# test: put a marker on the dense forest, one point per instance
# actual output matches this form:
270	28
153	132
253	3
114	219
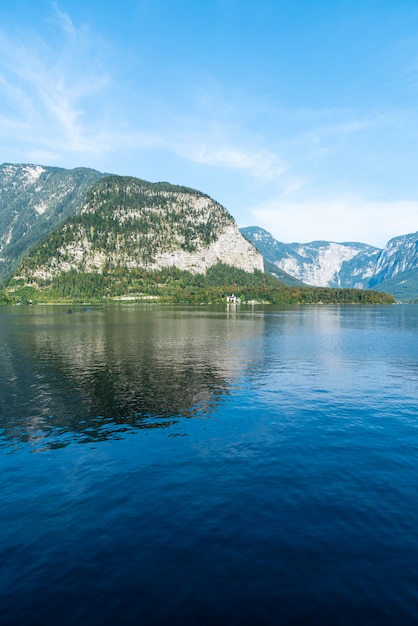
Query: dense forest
171	285
129	221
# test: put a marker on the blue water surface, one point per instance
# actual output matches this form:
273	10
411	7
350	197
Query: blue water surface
162	465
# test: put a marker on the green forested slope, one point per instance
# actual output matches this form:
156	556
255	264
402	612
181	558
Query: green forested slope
34	200
128	240
127	218
175	286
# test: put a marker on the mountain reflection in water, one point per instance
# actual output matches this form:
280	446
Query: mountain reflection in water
292	499
98	372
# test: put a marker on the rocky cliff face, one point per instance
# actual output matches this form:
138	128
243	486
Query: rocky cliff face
92	222
399	255
126	222
320	263
230	248
33	201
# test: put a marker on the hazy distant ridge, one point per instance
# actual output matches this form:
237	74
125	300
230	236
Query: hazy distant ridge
350	264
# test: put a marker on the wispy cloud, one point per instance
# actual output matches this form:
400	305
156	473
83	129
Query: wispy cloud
315	133
263	165
58	104
44	88
51	91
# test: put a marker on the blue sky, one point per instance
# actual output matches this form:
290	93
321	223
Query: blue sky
299	116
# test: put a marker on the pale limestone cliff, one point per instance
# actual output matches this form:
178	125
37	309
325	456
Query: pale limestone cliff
125	224
230	248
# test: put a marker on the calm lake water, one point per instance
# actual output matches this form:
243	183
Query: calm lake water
201	466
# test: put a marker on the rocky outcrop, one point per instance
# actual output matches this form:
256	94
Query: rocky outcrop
230	248
33	201
399	255
318	263
327	264
130	223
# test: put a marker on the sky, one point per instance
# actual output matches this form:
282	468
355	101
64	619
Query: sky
299	116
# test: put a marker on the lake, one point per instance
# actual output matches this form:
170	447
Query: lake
197	465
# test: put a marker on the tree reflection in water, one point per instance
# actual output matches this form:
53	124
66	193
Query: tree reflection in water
97	373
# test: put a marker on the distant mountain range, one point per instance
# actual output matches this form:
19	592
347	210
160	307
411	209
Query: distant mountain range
393	269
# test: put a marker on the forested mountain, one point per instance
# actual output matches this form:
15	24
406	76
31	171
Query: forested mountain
393	269
135	239
33	201
77	235
131	223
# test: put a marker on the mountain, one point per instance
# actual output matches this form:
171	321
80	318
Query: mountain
33	201
318	263
397	268
128	222
399	255
393	269
280	275
81	234
133	239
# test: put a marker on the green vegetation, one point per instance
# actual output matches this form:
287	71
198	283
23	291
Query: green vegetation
130	221
404	286
113	234
171	285
29	209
